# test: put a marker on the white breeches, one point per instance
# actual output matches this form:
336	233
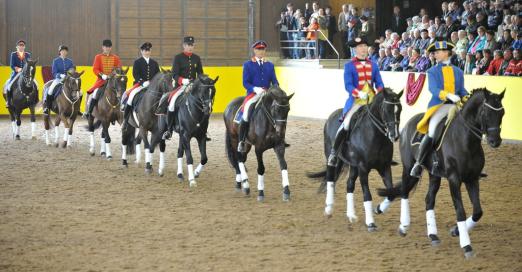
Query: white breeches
248	104
133	93
349	114
56	81
172	103
437	117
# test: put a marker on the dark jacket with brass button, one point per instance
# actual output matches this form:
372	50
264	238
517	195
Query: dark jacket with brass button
186	66
143	71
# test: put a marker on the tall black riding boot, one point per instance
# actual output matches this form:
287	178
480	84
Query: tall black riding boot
126	114
171	120
9	101
92	104
424	148
48	104
243	132
340	138
162	104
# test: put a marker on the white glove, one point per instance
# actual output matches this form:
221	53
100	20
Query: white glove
258	90
185	81
104	77
145	84
363	95
62	76
453	97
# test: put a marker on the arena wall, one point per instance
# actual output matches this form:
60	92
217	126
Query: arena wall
319	91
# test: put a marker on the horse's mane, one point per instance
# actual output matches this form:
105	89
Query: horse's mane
277	92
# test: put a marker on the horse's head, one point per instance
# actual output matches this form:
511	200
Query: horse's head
204	90
278	108
28	73
162	82
489	113
391	113
73	83
118	81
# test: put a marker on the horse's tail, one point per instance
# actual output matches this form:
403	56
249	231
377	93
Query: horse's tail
322	174
131	140
229	149
316	175
396	190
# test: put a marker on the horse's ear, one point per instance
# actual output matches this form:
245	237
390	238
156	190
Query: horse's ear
290	96
81	73
125	71
215	80
400	93
502	94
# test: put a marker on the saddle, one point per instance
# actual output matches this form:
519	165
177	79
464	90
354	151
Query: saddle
137	99
57	90
239	113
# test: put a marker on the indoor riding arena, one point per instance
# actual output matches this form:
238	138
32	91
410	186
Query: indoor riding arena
65	206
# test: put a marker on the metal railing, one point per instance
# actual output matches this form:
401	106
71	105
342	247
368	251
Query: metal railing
316	41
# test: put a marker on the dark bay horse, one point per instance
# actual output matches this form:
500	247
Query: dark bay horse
144	119
460	159
24	95
266	131
193	111
107	110
369	146
66	106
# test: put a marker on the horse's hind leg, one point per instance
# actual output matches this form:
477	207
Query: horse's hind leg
103	145
408	182
242	157
57	130
280	152
350	187
148	156
386	176
367	196
260	176
431	223
33	123
161	165
180	160
108	151
202	144
46	120
185	138
66	131
18	124
138	149
456	196
90	126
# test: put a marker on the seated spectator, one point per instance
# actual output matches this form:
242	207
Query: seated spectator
372	54
506	40
465	14
472	25
395	60
479	42
494	16
395	41
517	39
461	60
469	67
508	56
382	59
515	65
491	44
451	26
484	62
494	66
462	43
454	37
425	40
432	35
481	20
413	60
409	25
405	42
403	64
424	62
440	28
416	22
387	39
388	60
417	38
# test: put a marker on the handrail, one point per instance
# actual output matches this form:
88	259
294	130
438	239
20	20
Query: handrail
335	50
309	41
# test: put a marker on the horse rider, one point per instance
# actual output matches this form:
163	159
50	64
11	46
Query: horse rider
18	60
446	84
103	65
143	70
258	75
361	78
61	65
186	67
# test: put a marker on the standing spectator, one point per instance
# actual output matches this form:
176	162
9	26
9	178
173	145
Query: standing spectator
462	43
491	44
508	56
315	9
354	17
397	20
321	38
302	36
365	27
291	25
515	65
342	24
332	29
312	37
307	12
351	34
451	26
479	42
423	12
494	65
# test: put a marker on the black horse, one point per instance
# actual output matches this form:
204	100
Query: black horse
267	130
459	158
144	119
193	109
373	130
24	93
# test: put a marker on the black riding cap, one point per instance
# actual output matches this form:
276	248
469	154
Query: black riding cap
357	41
188	40
146	46
63	47
107	43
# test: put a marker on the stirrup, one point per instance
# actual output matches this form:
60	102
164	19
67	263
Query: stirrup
416	170
241	147
332	159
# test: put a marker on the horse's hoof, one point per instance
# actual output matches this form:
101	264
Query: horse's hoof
454	231
246	191
196	174
377	209
435	241
148	171
92	154
260	198
102	154
64	144
56	145
109	158
160	173
286	193
352	218
372	227
468	252
193	183
17	137
402	232
33	138
180	177
125	163
328	211
238	187
286	197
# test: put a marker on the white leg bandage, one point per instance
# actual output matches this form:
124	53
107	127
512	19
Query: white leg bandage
56	134
17	131
102	145
463	234
330	191
33	129
385	204
124	152
368	211
180	166
244	175
431	223
350	207
470	224
260	182
190	169
148	157
108	150
138	153
238	178
91	142
69	139
162	162
405	214
47	141
13	127
284	174
199	169
65	134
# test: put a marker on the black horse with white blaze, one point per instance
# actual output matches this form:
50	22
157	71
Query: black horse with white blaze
459	158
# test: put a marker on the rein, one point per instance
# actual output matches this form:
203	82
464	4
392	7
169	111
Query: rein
381	126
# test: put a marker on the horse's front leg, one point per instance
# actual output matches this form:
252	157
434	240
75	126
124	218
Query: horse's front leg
431	223
242	157
350	187
260	176
90	125
71	126
202	144
185	138
367	196
280	153
33	123
180	160
107	138
148	157
473	192
386	175
456	196
161	167
18	124
66	131
57	130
